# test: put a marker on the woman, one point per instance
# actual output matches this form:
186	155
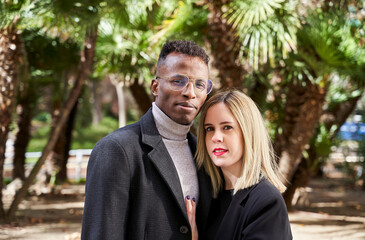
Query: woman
235	150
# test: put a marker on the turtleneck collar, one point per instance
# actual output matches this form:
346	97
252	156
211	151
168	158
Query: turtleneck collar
168	128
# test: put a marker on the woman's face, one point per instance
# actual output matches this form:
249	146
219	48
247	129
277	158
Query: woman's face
223	139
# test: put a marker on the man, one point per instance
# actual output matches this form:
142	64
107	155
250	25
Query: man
139	175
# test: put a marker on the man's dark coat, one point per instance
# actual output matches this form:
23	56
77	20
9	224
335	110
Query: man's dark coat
133	189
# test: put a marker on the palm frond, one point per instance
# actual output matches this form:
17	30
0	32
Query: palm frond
123	50
327	45
175	22
263	27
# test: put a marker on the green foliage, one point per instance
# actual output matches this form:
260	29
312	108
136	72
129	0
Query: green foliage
49	53
323	141
43	117
83	137
11	11
128	45
39	139
327	45
263	27
194	26
86	138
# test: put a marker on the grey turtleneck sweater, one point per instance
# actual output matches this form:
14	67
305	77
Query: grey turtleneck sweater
174	138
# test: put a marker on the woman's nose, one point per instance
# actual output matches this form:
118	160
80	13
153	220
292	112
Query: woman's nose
217	137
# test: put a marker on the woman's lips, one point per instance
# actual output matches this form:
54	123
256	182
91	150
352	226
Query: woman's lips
219	151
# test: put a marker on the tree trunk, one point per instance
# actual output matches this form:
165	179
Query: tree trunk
121	105
26	103
50	168
25	114
85	68
300	178
10	52
336	115
97	108
118	84
224	47
142	98
61	176
301	115
259	93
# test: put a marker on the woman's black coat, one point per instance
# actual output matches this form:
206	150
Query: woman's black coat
258	212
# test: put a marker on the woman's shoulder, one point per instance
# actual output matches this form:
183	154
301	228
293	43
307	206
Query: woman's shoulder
261	193
265	187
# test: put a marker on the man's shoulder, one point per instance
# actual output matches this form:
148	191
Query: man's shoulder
127	133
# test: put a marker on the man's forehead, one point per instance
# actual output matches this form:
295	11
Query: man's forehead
181	61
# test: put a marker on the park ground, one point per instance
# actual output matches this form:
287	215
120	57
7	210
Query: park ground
327	209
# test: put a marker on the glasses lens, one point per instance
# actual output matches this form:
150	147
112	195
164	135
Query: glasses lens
209	86
200	85
178	82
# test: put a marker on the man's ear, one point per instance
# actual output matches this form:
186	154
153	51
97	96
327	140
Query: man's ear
154	87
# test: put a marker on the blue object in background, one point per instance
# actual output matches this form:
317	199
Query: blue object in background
352	131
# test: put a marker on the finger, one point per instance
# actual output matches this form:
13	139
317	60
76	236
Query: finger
189	211
189	207
193	206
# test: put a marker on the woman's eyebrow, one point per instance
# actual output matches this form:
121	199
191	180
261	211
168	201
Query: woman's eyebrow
226	122
221	123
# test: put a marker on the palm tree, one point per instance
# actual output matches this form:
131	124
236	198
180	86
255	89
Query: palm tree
46	10
128	47
246	34
326	48
10	58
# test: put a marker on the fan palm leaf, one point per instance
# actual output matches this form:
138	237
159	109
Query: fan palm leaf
328	45
262	28
171	25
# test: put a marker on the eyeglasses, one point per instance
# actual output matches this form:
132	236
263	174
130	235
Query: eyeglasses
179	82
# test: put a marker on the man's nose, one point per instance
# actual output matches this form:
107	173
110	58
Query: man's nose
189	90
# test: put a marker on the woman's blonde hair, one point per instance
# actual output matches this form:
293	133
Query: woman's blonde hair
258	158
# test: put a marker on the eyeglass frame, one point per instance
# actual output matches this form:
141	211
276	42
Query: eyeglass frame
208	83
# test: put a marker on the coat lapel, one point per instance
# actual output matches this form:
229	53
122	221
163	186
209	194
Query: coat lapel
160	157
205	189
205	198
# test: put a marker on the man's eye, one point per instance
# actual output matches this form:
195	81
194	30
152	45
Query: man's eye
178	80
227	127
200	84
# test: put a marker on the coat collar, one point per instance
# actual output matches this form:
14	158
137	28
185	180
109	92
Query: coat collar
242	194
160	157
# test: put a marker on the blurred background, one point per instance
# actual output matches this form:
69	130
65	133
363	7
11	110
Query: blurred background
72	71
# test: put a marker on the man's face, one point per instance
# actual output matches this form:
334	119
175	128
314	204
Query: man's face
181	106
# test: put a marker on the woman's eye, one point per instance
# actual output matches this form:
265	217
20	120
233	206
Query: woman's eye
208	129
227	127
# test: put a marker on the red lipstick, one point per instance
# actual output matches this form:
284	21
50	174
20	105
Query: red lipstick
219	151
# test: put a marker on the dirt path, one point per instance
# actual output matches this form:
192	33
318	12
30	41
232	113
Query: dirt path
330	209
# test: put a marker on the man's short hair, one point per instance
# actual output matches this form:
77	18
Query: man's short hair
183	46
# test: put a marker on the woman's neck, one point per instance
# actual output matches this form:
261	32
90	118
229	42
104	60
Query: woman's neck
231	174
230	180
